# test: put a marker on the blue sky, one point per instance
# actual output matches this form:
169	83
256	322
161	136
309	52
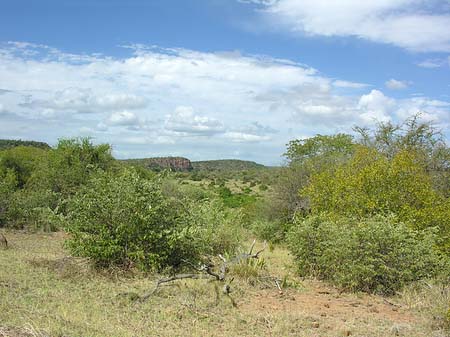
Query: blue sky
211	79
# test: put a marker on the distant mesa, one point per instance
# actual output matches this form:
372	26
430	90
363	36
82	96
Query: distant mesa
181	164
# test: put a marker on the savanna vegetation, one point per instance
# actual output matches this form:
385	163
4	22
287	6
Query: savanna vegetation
95	246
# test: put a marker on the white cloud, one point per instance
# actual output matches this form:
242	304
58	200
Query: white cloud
123	118
396	84
409	24
241	137
85	100
376	106
183	120
351	85
196	104
433	63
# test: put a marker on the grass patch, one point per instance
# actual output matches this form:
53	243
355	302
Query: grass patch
44	292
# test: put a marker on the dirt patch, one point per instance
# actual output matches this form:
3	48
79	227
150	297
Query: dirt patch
327	303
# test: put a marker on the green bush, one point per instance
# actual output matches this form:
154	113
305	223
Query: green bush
31	209
23	160
125	220
271	231
217	230
371	183
71	164
374	255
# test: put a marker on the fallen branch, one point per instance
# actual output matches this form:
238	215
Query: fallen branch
249	255
206	271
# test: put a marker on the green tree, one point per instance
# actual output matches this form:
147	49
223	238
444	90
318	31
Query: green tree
370	184
23	161
413	135
71	163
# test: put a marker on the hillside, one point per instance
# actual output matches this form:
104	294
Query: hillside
226	165
181	164
8	143
178	164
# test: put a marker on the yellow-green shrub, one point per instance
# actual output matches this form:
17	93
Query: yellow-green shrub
375	255
371	183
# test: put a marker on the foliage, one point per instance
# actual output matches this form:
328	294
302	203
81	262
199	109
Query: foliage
271	231
370	183
374	255
34	182
216	230
31	209
71	164
23	161
306	156
124	220
235	200
299	150
8	184
417	136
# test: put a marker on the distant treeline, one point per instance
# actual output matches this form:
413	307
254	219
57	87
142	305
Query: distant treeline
9	143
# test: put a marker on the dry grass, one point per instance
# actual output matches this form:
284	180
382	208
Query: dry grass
43	292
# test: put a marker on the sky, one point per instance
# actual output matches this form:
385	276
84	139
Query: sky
216	79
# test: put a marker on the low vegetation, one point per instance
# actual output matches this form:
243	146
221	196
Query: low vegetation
366	213
377	254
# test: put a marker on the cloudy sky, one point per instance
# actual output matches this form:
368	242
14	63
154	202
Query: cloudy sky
210	79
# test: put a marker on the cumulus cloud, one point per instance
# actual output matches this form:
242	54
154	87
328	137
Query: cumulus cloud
411	24
351	85
184	120
185	102
123	118
85	100
375	106
396	84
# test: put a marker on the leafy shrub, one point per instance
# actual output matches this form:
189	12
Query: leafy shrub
217	230
271	231
23	160
374	255
126	220
71	164
123	219
371	183
235	200
8	184
32	209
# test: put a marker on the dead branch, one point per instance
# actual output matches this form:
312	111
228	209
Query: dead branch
206	271
249	255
